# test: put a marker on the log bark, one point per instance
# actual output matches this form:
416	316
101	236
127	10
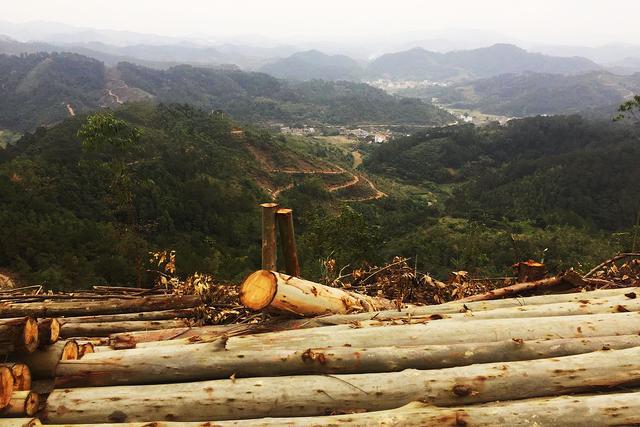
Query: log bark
43	362
269	235
184	334
280	292
22	403
20	334
516	289
567	411
19	422
460	307
309	395
209	361
48	331
21	375
6	386
144	315
70	330
288	241
73	308
444	332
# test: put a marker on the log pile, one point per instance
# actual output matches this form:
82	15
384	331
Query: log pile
338	357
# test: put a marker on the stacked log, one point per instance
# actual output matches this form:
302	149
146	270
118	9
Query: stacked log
496	362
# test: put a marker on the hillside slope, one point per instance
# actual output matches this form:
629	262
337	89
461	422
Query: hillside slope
40	89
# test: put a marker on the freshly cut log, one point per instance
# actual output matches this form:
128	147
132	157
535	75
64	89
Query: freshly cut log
21	375
98	307
22	403
567	411
269	235
6	386
43	362
70	330
133	339
48	331
144	315
459	307
280	292
308	395
19	422
19	334
210	361
444	332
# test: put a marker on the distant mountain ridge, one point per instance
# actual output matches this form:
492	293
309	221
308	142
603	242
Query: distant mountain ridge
314	64
421	64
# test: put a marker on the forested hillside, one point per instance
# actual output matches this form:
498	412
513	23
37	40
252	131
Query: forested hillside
529	94
480	199
41	89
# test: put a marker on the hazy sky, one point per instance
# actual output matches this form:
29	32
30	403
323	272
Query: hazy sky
547	21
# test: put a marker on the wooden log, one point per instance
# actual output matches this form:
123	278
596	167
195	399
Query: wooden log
144	315
48	331
19	422
86	348
193	334
20	334
280	292
43	387
288	241
460	307
568	411
269	235
21	375
444	332
309	395
70	330
22	403
43	362
72	308
210	361
6	386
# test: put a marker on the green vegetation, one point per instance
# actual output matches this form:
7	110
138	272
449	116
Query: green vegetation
42	89
519	95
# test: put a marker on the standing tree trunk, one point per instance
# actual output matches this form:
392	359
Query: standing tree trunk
288	241
321	394
279	292
269	235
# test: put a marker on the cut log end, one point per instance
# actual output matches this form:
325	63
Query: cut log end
31	403
85	349
6	386
268	205
258	290
54	333
21	376
70	351
30	335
